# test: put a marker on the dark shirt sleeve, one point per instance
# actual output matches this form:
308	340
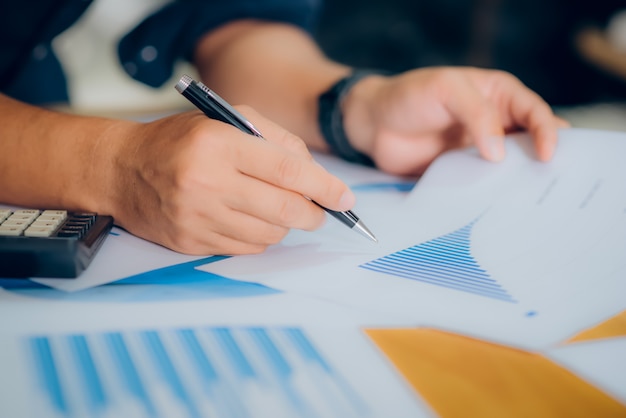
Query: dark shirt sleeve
149	52
29	69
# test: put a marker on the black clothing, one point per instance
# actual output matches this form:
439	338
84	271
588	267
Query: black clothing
29	70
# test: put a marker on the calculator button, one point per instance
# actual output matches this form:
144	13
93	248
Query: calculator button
12	231
36	231
88	218
84	215
16	222
77	222
61	213
20	218
50	224
71	231
82	226
56	218
28	212
25	215
4	213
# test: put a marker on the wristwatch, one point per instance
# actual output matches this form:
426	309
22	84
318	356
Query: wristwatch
330	118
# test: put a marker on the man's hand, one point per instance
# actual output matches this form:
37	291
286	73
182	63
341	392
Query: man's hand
405	122
200	186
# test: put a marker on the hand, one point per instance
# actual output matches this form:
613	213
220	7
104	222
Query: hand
200	186
405	122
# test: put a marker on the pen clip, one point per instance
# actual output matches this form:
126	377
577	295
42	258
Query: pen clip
229	109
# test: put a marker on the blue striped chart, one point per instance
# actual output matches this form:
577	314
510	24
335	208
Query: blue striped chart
188	372
444	261
182	281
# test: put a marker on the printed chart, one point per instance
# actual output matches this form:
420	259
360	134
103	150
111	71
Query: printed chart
189	372
178	282
445	261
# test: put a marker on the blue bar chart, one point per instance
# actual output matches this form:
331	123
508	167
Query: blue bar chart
444	261
188	372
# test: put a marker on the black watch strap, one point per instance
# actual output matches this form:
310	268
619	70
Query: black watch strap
330	118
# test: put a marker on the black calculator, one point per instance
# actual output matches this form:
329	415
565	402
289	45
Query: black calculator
49	243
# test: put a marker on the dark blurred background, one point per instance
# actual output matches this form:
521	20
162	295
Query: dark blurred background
533	39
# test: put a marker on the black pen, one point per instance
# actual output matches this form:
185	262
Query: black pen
217	108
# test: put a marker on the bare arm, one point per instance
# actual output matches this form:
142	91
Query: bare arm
402	122
213	191
275	68
189	183
51	159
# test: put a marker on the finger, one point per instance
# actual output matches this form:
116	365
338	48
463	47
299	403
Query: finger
223	245
529	111
545	138
222	230
275	205
242	227
276	134
274	165
477	115
562	123
213	243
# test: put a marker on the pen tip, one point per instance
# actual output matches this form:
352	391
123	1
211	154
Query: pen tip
363	230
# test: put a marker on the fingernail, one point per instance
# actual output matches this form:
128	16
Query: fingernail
495	148
347	200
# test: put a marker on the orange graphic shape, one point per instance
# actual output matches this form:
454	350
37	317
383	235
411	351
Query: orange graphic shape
463	377
614	327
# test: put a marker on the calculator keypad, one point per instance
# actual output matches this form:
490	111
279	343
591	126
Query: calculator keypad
47	223
49	243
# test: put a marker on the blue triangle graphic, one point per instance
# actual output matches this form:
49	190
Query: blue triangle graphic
444	261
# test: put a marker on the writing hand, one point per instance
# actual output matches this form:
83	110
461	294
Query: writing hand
200	186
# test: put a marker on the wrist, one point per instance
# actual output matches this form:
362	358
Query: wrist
344	116
108	167
359	115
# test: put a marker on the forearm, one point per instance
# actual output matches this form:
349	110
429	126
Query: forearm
277	69
55	160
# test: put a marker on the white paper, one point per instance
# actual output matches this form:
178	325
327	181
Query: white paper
338	374
361	381
601	363
122	255
550	237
